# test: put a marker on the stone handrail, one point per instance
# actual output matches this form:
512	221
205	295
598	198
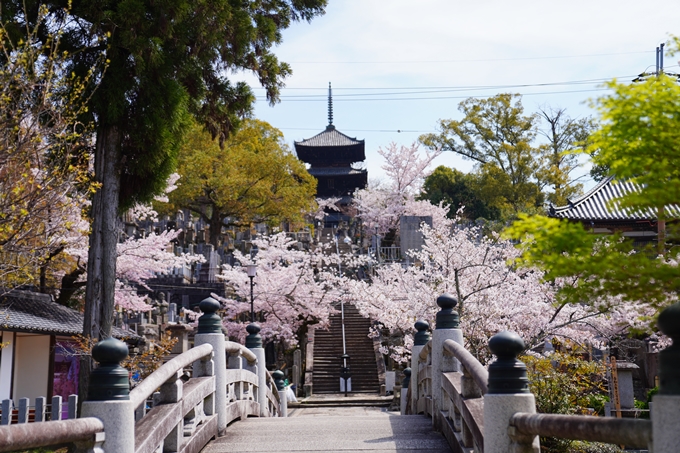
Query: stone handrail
636	433
478	373
425	352
88	430
149	385
457	407
241	395
493	411
184	414
237	348
273	396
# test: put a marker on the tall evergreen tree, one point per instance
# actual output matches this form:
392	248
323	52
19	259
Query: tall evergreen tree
166	60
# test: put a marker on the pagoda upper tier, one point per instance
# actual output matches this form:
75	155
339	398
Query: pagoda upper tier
331	148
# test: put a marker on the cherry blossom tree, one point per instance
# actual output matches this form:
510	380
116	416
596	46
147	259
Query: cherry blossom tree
492	294
324	204
293	288
138	259
43	153
381	206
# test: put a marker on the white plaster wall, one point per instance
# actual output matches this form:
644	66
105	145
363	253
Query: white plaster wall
6	359
31	366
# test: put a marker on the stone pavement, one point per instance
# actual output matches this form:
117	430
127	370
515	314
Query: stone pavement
332	429
340	400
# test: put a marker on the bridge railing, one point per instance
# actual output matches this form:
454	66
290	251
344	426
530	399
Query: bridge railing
178	408
39	412
491	410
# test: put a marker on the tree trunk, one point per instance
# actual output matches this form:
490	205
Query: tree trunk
215	228
101	265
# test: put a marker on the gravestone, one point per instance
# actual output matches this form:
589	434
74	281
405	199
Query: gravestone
409	232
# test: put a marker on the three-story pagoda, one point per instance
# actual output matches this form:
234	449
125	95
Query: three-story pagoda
333	158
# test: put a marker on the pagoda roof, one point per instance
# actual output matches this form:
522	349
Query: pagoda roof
335	171
331	137
600	204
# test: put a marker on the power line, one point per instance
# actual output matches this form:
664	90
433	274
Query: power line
357	130
473	60
438	97
406	93
453	88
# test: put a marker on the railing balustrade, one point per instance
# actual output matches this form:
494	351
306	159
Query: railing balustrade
493	411
386	254
39	412
166	411
87	431
477	409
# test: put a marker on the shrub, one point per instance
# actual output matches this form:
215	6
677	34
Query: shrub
564	383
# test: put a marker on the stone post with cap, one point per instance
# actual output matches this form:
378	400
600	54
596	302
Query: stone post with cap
508	393
281	387
666	403
108	397
447	327
404	390
210	331
420	339
254	343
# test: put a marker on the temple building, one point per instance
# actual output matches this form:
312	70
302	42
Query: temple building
333	159
598	211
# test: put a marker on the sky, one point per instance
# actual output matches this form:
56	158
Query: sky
399	66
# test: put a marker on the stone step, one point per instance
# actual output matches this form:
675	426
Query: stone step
328	349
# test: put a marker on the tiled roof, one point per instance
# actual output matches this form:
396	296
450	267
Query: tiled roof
597	204
34	312
330	137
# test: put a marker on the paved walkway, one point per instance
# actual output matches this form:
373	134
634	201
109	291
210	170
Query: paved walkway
332	429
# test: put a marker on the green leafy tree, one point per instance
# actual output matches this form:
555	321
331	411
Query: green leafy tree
564	135
638	141
254	177
496	134
458	189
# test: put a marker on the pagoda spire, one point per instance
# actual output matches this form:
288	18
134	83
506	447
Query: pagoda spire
330	106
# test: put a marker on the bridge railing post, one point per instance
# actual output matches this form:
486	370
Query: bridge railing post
447	327
508	393
254	343
210	331
108	396
666	404
281	388
420	339
206	367
404	390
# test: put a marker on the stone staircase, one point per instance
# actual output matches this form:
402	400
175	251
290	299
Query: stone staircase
328	349
328	237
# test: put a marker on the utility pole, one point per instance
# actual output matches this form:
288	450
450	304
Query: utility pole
660	213
658	69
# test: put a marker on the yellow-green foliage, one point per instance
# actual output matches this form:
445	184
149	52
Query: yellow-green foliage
638	141
564	383
253	177
43	151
